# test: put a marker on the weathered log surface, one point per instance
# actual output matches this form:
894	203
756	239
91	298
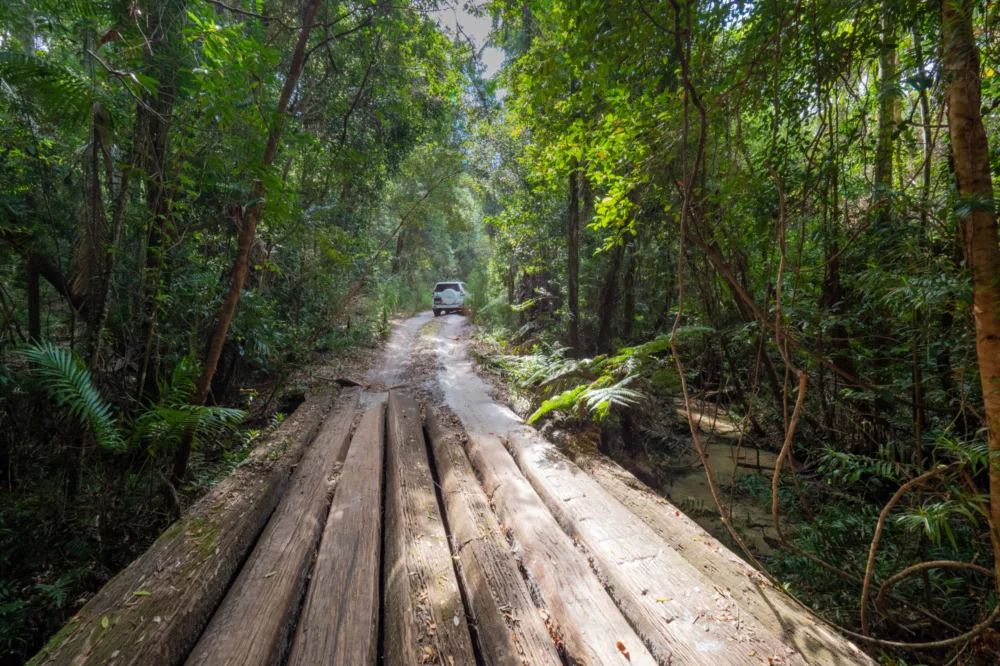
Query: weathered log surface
510	629
424	616
585	619
339	621
781	615
187	570
681	615
253	625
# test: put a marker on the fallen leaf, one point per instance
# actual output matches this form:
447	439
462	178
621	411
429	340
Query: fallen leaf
663	600
141	593
621	648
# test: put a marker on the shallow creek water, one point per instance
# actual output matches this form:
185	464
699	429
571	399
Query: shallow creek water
690	491
688	487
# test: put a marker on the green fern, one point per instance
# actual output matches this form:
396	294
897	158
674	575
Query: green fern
564	401
66	379
600	399
61	92
596	398
164	424
161	426
934	519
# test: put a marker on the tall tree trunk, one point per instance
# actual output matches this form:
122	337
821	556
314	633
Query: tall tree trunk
34	303
246	238
982	252
95	238
925	195
573	263
154	116
888	102
608	299
925	123
398	256
629	287
511	276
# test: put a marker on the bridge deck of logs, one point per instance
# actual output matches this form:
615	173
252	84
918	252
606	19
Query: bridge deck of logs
388	535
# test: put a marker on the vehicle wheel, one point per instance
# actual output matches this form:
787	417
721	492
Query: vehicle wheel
437	313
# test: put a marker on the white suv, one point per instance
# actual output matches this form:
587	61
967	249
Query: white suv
449	297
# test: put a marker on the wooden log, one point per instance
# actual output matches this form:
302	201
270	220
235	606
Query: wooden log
681	615
339	621
254	623
777	612
424	615
187	570
585	619
510	630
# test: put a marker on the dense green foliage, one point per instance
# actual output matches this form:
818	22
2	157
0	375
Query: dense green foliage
758	208
133	137
781	177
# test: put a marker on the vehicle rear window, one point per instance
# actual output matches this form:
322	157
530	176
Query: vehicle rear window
441	286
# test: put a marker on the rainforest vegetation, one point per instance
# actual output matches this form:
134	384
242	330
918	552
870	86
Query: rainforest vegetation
779	211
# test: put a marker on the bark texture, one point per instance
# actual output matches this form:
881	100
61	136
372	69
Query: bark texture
609	299
424	617
188	569
254	623
509	626
339	621
777	612
971	152
679	614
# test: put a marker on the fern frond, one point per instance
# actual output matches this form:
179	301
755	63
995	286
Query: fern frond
181	386
60	91
66	380
563	401
163	425
601	399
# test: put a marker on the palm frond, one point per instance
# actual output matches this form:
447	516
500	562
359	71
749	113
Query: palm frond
181	386
60	91
162	425
66	379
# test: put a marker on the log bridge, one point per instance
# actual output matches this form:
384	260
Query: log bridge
395	536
